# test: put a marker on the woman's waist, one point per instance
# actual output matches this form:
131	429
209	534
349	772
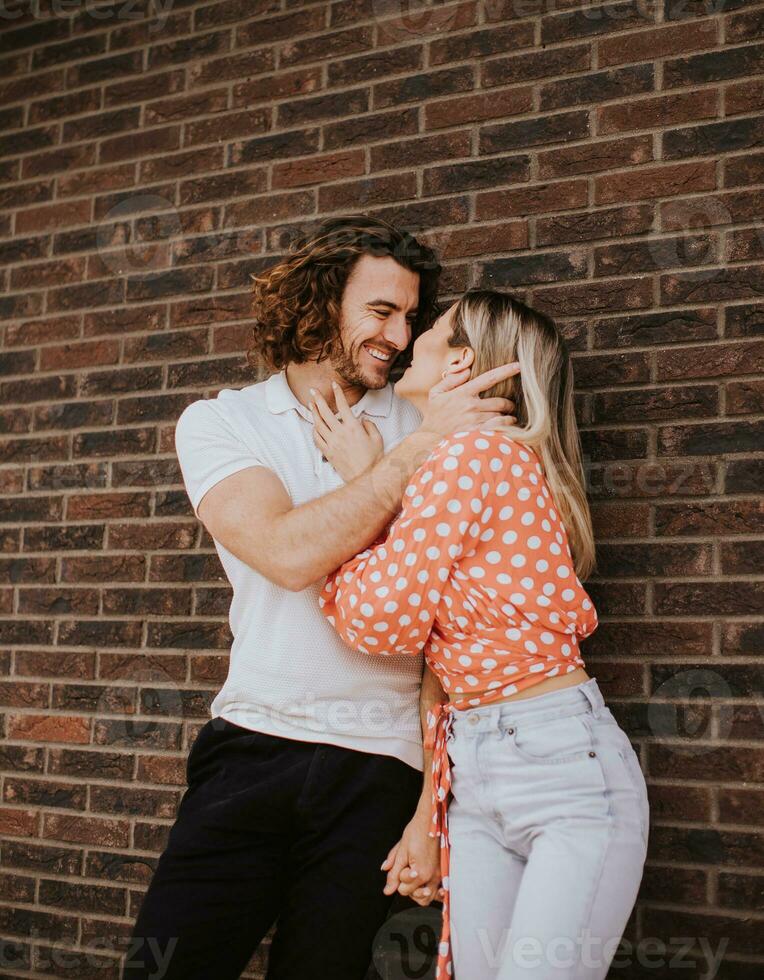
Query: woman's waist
470	678
525	686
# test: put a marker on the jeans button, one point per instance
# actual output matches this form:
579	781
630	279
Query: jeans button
510	731
473	720
592	754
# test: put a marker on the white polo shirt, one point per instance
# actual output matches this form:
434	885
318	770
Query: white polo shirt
289	673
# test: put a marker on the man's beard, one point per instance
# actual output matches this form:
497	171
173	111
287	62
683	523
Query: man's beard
346	364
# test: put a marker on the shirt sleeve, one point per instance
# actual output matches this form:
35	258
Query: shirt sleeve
385	599
208	449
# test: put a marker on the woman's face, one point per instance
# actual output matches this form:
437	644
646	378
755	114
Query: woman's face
431	356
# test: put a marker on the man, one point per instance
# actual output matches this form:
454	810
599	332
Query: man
311	765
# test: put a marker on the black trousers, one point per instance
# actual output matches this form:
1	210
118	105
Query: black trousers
273	830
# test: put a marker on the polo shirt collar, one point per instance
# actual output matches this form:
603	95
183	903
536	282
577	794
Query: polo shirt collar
280	398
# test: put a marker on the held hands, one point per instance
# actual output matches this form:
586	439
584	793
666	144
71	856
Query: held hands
350	444
455	402
413	864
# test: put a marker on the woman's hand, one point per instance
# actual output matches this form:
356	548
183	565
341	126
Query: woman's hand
413	864
455	403
350	444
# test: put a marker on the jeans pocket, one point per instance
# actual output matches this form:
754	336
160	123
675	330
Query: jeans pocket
555	740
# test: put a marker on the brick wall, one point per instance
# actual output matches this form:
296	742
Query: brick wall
601	159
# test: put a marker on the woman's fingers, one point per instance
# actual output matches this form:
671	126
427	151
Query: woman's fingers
342	403
499	422
497	404
489	378
328	417
450	381
411	879
393	875
387	863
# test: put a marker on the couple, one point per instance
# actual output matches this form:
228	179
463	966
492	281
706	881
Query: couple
411	562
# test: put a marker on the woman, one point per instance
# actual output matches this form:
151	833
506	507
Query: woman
546	833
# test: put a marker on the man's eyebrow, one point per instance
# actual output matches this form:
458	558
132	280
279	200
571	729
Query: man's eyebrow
389	304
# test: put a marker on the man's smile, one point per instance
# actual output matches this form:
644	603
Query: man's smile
377	353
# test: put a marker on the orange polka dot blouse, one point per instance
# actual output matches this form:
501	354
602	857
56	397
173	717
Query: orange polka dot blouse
477	572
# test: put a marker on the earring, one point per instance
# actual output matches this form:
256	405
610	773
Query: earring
443	374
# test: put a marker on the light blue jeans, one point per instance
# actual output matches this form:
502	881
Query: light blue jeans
548	825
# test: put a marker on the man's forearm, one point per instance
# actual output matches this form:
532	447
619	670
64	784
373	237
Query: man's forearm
330	529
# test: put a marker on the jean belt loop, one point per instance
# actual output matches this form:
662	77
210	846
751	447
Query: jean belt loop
593	696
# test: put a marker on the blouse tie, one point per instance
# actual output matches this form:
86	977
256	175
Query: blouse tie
439	727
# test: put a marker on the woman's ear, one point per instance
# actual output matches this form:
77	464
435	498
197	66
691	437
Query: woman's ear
460	358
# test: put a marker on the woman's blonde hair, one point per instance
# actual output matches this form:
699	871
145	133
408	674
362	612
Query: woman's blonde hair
499	329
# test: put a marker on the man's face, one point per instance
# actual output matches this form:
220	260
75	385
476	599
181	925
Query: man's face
379	307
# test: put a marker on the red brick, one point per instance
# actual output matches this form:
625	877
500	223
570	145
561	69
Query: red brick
316	170
595	157
533	199
652	182
49	728
657	42
475	108
664	110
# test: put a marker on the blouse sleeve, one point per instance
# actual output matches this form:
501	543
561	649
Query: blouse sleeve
384	600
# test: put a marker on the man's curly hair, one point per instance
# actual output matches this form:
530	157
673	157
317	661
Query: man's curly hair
296	303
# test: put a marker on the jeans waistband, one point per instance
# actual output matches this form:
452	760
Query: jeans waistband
582	698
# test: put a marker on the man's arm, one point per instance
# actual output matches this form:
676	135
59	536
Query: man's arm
251	514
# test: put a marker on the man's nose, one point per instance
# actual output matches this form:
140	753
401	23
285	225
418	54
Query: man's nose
397	332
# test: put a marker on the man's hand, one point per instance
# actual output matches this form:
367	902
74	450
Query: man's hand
413	864
350	444
455	403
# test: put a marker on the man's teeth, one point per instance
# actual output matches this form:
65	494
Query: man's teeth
377	353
